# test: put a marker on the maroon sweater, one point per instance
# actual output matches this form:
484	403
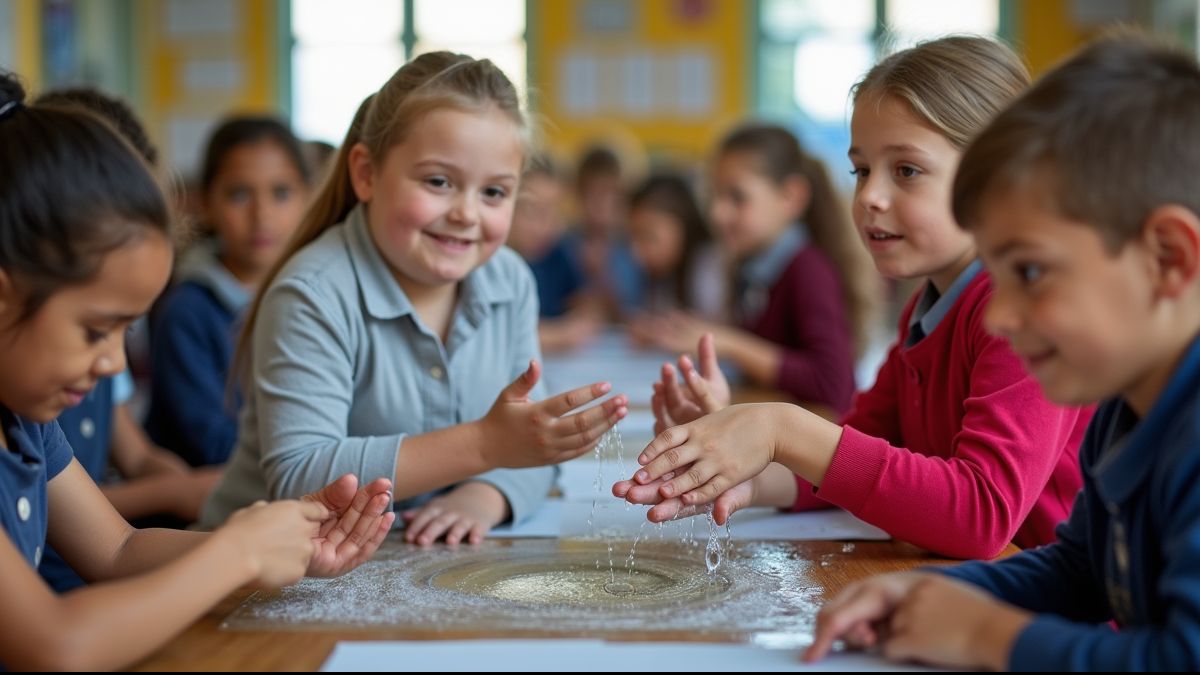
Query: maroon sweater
806	315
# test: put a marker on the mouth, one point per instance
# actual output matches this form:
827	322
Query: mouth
876	234
453	243
1035	360
76	395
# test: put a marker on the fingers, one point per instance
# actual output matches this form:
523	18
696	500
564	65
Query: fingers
670	509
857	604
698	386
419	520
521	387
560	405
662	419
586	427
313	511
337	495
672	394
726	505
706	352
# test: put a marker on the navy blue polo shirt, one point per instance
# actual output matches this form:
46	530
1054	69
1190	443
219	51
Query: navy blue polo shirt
36	453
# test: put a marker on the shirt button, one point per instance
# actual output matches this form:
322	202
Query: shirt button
37	556
87	427
436	372
23	509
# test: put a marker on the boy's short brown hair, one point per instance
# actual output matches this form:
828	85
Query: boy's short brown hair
1108	136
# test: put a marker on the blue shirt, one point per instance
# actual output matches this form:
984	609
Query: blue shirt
1130	552
932	306
558	278
344	371
36	453
192	344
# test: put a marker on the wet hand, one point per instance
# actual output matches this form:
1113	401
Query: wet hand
518	432
712	454
735	499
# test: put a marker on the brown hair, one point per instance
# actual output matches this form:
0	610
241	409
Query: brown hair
431	81
780	157
671	194
955	84
1111	134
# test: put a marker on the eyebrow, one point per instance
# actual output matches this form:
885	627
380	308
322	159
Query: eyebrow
111	317
454	167
895	147
1010	246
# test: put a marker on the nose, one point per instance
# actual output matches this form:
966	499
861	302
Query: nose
465	211
872	194
112	360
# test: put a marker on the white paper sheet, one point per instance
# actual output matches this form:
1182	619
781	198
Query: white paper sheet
583	655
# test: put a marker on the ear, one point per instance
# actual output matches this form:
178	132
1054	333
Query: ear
11	300
362	172
798	192
1171	234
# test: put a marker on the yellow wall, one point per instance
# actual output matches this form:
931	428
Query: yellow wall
167	104
724	32
27	42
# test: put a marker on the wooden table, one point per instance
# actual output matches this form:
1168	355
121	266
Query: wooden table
205	647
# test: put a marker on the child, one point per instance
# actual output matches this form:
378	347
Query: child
802	285
84	250
157	486
569	315
600	243
684	269
385	339
1094	248
954	425
254	187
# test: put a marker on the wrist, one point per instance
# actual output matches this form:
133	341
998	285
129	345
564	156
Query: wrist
997	635
230	547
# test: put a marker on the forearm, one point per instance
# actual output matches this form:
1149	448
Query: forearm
775	486
805	443
439	458
139	498
151	549
111	625
757	358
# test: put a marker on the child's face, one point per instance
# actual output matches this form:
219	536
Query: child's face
53	359
601	203
1080	317
441	202
749	210
657	239
254	204
538	219
905	171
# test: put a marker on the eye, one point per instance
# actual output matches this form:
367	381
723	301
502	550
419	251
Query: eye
438	182
860	172
1030	273
238	195
906	171
496	193
282	193
95	336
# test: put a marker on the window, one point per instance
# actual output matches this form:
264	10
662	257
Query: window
343	51
812	51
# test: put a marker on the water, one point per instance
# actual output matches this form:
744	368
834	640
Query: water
552	587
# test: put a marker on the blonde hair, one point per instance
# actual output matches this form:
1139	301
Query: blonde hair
432	81
779	156
955	84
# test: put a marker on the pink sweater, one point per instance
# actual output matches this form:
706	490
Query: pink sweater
954	448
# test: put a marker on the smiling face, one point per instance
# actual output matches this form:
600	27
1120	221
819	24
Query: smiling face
49	361
905	171
440	203
1087	323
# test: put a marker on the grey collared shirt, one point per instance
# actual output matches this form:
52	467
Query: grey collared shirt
931	307
201	264
344	371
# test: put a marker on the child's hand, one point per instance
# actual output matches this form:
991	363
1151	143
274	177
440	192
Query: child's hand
860	613
706	391
357	522
736	498
465	513
723	449
518	432
945	622
275	539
